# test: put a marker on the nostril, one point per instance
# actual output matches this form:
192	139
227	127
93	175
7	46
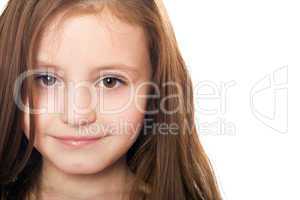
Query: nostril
83	122
75	120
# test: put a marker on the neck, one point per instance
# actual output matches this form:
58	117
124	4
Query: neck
111	183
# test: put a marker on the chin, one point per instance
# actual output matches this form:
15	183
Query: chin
90	160
80	167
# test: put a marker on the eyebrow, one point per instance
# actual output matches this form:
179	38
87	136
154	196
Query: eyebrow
97	69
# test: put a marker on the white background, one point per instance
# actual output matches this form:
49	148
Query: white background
244	60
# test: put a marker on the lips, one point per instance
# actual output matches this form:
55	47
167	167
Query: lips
77	141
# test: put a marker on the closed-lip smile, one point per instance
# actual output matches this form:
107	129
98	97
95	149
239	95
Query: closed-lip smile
77	141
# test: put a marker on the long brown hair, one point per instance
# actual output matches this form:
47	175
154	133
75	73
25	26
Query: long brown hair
174	166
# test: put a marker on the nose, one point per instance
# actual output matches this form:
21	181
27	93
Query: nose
78	108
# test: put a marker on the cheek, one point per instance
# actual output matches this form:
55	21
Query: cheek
129	119
122	99
42	123
125	124
49	101
115	101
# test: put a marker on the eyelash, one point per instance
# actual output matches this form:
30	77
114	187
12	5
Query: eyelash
40	77
114	77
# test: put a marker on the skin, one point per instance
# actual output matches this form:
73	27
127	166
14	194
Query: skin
85	49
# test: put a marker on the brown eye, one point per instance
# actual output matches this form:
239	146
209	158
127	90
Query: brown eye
111	82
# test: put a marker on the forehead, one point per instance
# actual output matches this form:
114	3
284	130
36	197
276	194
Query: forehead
93	39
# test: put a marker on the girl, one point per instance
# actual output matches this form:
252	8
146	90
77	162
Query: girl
97	104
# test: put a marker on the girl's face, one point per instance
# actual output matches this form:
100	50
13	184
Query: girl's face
90	83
